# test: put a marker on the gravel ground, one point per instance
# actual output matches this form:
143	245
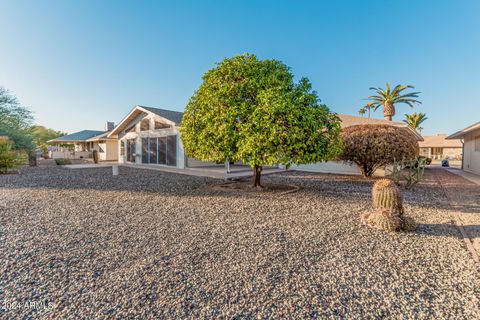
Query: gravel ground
149	244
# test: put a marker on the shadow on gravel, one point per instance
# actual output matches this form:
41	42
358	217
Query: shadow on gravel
443	230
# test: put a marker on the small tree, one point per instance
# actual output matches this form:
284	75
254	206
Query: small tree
8	158
415	120
372	146
251	110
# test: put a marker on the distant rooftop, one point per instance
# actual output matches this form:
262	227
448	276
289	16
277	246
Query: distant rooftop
80	136
439	141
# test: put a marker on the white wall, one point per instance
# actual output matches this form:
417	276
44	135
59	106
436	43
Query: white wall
138	135
339	167
471	158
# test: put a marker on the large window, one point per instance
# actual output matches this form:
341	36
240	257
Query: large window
161	150
144	150
131	150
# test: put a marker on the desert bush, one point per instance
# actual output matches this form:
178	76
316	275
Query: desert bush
416	170
427	159
8	157
372	146
95	156
62	161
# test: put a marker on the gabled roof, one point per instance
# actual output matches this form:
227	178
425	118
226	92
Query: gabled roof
349	120
439	141
80	136
460	134
173	116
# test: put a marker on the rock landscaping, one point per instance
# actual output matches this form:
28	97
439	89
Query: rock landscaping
148	244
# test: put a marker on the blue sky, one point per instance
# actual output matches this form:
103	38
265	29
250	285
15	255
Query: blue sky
77	64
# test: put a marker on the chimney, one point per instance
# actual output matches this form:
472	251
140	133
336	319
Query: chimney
109	126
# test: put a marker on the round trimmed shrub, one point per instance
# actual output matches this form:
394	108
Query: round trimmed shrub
372	146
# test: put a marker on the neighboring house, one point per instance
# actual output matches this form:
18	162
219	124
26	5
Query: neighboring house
471	147
341	167
84	142
438	147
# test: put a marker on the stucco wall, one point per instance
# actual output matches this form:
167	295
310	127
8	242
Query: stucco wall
471	158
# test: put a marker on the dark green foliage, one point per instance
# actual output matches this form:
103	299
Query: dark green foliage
252	110
95	156
62	161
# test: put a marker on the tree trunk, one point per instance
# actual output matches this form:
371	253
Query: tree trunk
257	171
388	118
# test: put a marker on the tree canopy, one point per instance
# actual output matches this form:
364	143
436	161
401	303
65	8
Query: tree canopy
15	121
252	110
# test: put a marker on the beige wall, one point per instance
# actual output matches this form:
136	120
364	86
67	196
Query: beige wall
471	158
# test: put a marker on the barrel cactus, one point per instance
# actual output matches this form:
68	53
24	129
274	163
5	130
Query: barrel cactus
386	195
388	214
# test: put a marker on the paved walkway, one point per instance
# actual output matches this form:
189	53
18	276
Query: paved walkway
467	175
211	172
464	197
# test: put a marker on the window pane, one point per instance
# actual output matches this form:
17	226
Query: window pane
144	150
153	150
162	150
161	125
145	125
171	150
130	150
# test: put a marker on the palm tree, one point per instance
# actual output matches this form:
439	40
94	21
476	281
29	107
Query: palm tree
368	107
415	119
362	111
387	99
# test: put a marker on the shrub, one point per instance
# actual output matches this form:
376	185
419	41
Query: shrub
8	157
62	161
427	159
372	146
95	156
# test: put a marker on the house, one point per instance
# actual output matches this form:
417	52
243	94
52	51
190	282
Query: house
150	136
341	167
438	147
83	143
471	147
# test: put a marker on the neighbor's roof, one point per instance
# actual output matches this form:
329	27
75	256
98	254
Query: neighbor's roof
80	136
439	141
349	120
173	116
460	134
103	136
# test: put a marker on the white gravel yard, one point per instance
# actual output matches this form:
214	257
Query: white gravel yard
150	244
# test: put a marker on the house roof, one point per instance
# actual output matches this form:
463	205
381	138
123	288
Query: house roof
349	120
173	116
460	134
439	141
80	136
103	136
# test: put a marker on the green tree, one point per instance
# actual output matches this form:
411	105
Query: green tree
15	121
8	158
387	99
251	110
415	119
42	134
